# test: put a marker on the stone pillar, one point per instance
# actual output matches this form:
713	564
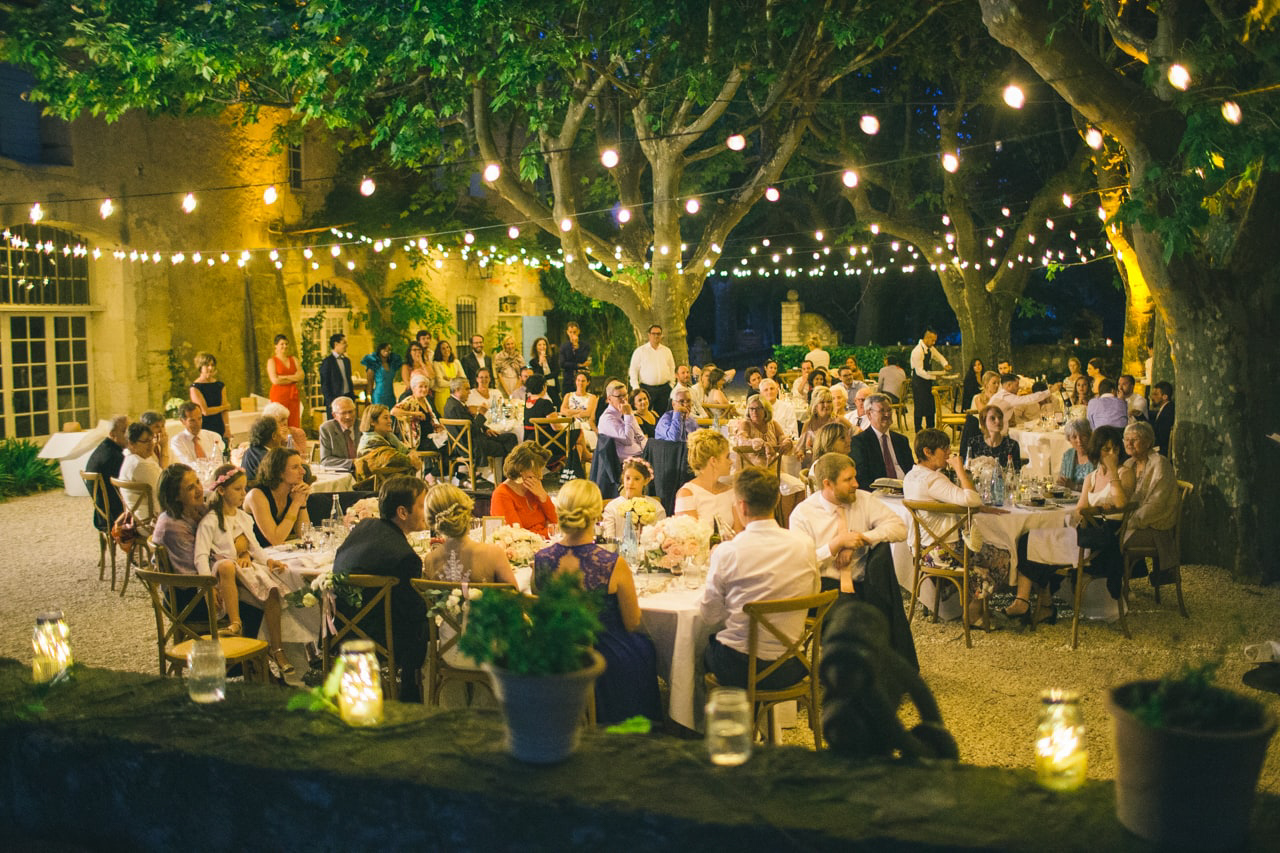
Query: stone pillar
790	325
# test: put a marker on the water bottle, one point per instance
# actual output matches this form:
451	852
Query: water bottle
629	547
997	488
1011	480
335	514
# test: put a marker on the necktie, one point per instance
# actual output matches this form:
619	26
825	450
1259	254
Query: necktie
351	444
846	570
195	441
890	470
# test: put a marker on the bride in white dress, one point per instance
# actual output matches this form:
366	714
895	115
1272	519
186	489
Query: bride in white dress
706	497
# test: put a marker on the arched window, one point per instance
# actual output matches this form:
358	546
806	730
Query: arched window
325	311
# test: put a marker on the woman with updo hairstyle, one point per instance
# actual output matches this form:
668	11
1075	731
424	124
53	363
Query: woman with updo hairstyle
706	497
459	557
629	685
636	476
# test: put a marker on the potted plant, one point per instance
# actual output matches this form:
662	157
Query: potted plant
1188	755
538	651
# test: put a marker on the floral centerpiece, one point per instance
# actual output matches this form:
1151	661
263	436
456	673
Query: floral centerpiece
642	509
519	544
360	510
667	544
451	603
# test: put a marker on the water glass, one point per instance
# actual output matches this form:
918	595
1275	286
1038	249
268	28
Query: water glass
692	574
729	726
206	672
304	534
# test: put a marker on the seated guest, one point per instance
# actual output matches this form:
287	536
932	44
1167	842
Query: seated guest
832	438
160	432
1136	402
677	424
993	441
818	379
520	498
851	382
645	417
1096	371
618	422
1081	394
338	439
521	392
879	451
414	412
538	404
839	401
763	562
1073	372
278	499
714	395
1155	492
1107	409
636	475
293	437
105	461
485	443
458	557
264	436
784	413
483	396
705	497
823	407
380	546
753	377
857	417
1075	461
1016	407
379	446
758	439
194	443
227	533
801	387
892	378
973	381
139	466
629	685
990	387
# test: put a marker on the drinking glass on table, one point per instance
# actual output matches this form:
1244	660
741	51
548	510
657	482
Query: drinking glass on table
305	534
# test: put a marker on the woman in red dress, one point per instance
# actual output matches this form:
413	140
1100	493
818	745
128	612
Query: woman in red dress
285	374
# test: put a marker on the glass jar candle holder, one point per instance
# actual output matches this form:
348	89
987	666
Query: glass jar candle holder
729	726
360	687
206	671
50	647
1061	756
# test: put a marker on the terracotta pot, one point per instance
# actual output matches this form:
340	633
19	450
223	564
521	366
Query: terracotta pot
543	713
1185	789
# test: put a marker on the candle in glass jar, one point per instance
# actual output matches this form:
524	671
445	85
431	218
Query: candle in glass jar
50	646
1061	756
360	688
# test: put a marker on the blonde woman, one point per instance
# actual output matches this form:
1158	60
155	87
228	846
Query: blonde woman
458	557
629	685
708	497
823	406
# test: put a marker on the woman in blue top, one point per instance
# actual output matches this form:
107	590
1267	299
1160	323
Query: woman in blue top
380	375
1075	461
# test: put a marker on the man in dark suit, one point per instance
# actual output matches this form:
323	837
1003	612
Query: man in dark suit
380	546
878	451
338	436
1162	412
476	359
485	443
335	371
106	460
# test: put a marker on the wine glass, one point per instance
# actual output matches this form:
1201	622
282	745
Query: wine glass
304	534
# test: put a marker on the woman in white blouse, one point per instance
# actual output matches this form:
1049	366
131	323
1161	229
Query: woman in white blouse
636	475
226	533
484	396
140	466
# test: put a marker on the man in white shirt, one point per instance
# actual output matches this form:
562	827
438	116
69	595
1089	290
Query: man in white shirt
653	368
1017	407
925	359
763	562
193	443
857	416
618	422
852	532
684	378
850	385
1136	402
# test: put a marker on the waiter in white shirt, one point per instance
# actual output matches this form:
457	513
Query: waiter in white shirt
194	444
925	359
653	368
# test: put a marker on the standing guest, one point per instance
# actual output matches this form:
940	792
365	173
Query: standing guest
822	405
264	435
210	395
1136	402
678	423
1075	460
194	444
1155	492
278	499
379	446
892	378
416	416
285	374
1096	373
485	443
852	533
575	354
973	380
227	533
629	685
653	368
645	418
706	497
1016	407
380	546
139	466
483	396
817	356
1073	372
1107	409
618	422
338	439
105	461
335	372
636	476
160	447
1162	417
417	362
380	369
993	441
764	562
520	498
446	369
507	363
459	558
543	361
878	451
924	360
476	360
801	387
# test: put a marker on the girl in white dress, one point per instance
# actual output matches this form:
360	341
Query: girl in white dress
636	475
705	497
226	533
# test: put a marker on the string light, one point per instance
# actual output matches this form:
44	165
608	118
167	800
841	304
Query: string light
736	142
468	238
849	178
188	203
513	232
1231	112
950	162
869	124
269	195
609	158
492	172
1013	96
1066	200
566	225
37	213
1093	138
106	208
1179	77
692	206
624	215
772	194
367	186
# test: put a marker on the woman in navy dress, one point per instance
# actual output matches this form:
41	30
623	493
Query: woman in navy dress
629	685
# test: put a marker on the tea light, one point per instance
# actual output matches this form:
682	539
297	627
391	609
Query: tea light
51	647
1061	756
360	689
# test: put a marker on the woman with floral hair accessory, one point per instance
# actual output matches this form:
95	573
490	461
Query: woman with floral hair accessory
450	512
636	476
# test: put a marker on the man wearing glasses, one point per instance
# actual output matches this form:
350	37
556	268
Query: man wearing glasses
679	423
618	422
653	368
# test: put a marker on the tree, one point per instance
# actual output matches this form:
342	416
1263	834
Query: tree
535	87
1204	195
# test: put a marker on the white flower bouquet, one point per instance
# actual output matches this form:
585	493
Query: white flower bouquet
668	543
983	467
323	585
519	544
451	603
360	510
642	508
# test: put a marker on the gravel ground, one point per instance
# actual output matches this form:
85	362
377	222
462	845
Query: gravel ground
988	694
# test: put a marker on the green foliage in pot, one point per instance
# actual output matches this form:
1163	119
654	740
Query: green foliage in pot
547	635
22	471
1189	700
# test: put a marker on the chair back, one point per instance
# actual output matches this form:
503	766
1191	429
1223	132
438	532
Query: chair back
176	622
945	532
606	470
444	628
98	492
136	497
944	397
377	591
719	412
458	448
805	648
670	461
552	434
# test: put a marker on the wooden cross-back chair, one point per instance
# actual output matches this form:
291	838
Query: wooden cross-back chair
943	403
377	591
944	559
552	435
443	631
101	512
1081	578
805	648
720	412
1133	554
142	506
458	449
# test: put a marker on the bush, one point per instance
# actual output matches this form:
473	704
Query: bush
870	358
23	472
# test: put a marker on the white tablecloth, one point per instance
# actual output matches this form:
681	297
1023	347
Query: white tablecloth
330	480
672	619
1042	449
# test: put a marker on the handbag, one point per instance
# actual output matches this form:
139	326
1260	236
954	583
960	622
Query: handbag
124	530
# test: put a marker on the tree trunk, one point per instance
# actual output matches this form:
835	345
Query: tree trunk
984	317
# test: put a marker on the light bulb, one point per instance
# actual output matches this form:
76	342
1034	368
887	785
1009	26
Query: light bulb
1067	200
850	178
624	215
1231	112
869	124
1013	96
736	142
188	203
1179	77
468	238
950	162
37	213
609	158
692	206
513	232
106	208
1093	138
492	172
269	195
566	225
819	236
772	194
367	187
